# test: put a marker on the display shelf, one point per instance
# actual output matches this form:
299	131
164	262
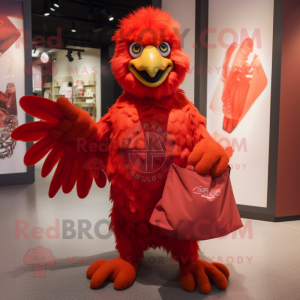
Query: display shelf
88	83
55	85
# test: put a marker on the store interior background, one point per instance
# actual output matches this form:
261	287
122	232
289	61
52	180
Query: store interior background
77	40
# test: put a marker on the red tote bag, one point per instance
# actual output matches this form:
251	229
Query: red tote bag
196	207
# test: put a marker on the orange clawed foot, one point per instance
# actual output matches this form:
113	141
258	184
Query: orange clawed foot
201	271
118	270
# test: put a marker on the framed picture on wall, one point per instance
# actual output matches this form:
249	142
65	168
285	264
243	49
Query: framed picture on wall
239	94
15	22
12	86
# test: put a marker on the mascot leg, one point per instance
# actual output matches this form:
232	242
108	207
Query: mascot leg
193	269
121	270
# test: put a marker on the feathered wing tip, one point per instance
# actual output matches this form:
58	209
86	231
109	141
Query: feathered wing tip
72	165
41	108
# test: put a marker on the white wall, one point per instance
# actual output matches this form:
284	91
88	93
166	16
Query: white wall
184	12
89	64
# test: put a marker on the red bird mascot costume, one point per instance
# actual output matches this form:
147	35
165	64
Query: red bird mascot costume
150	64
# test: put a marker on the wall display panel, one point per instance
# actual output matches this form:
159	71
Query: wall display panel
240	41
187	23
12	85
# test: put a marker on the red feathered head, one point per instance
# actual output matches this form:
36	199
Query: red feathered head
148	60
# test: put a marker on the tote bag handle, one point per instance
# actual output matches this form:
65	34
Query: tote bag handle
192	168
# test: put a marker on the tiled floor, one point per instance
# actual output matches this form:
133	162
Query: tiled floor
263	260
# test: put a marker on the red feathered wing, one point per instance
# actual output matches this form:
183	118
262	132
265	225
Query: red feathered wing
71	138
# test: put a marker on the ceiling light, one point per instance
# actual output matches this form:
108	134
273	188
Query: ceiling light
109	14
44	57
73	27
79	55
56	3
35	52
69	55
52	5
46	8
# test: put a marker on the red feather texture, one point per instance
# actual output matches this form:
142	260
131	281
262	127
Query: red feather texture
77	164
183	125
134	200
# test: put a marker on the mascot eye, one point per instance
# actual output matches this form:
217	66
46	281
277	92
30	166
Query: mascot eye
135	50
164	49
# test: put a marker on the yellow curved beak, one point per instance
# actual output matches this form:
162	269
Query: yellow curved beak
151	69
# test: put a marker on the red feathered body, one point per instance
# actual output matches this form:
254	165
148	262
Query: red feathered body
139	113
135	193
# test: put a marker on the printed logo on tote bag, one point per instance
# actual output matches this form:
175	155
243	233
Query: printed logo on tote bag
206	193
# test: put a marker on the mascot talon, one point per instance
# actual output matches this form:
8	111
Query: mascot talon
118	270
201	271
